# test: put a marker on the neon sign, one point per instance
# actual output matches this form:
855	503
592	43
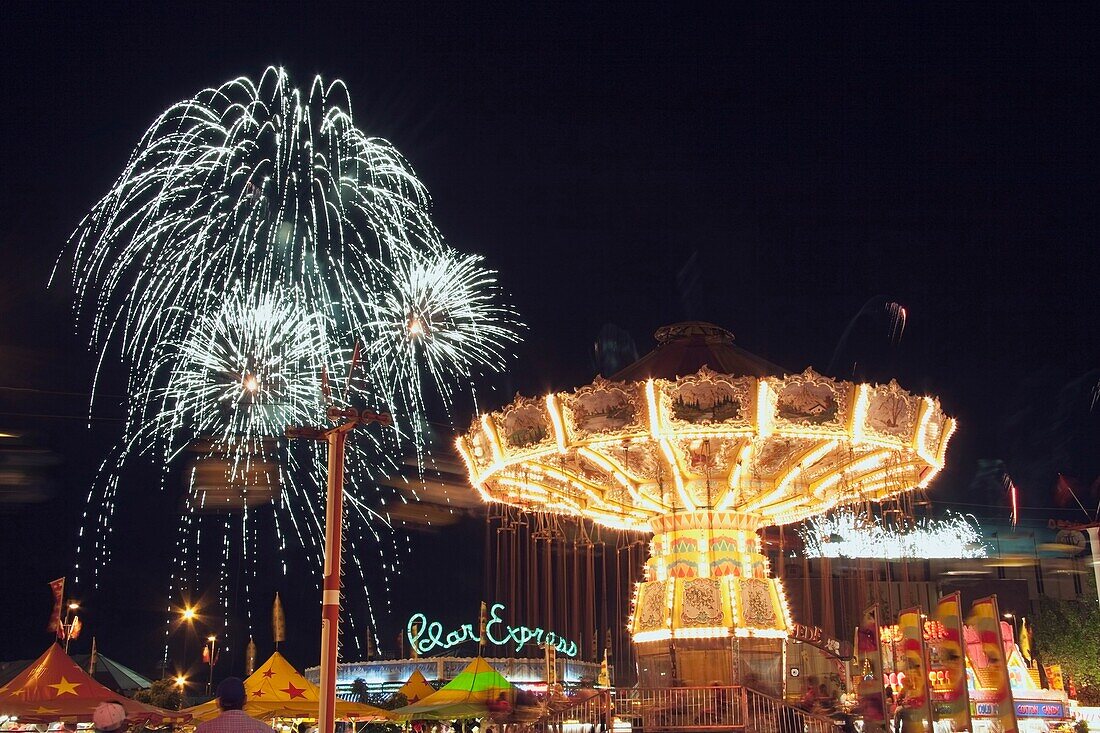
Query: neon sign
425	636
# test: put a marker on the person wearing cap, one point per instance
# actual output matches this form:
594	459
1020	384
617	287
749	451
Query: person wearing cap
233	718
109	717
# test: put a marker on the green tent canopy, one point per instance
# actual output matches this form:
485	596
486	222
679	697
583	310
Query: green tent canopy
466	696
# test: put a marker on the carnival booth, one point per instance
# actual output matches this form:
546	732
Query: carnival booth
277	690
1036	709
479	691
54	689
415	689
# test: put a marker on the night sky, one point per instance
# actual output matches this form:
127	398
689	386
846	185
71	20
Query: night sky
810	157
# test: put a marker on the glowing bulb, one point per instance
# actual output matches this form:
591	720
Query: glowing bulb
181	681
188	614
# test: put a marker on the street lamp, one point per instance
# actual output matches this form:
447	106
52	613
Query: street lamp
69	623
210	655
188	614
1015	629
181	686
346	418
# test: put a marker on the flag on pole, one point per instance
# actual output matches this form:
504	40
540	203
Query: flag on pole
93	659
1025	641
57	587
75	627
206	654
949	651
416	628
604	680
250	657
985	617
278	622
482	620
551	665
872	702
917	715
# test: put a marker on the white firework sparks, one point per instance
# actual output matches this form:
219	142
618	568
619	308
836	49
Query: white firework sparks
254	234
439	315
845	533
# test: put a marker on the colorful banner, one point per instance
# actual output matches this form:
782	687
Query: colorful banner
1054	677
950	699
872	702
57	587
278	622
985	617
916	701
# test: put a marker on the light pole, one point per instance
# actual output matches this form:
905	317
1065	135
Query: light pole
211	656
181	685
346	419
188	614
70	621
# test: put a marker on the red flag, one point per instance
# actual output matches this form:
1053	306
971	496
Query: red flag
57	587
74	629
206	654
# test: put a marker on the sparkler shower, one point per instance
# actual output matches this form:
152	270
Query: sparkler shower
845	533
254	236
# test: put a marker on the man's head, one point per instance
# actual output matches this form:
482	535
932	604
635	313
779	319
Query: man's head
109	716
231	694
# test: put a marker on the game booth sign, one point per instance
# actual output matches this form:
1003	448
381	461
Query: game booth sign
1002	694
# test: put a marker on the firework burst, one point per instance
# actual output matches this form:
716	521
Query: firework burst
254	234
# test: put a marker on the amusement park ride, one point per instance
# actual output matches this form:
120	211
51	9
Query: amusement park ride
705	444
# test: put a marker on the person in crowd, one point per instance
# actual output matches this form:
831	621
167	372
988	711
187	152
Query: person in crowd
109	717
233	719
809	697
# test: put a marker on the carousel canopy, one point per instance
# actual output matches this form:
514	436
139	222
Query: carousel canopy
702	426
466	696
53	688
277	690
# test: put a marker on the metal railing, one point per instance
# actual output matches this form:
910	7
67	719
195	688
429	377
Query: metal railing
766	714
666	709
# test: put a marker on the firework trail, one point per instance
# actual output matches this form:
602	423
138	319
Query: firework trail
847	533
254	234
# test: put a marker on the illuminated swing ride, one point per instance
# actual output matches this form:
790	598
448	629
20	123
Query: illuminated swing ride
705	444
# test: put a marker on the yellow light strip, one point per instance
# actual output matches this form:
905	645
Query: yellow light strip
871	460
656	635
494	440
859	412
703	632
764	409
927	409
734	483
807	460
948	431
555	419
677	477
468	459
654	415
607	465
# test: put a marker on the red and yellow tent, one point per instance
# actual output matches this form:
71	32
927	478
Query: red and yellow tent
416	688
277	690
53	688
